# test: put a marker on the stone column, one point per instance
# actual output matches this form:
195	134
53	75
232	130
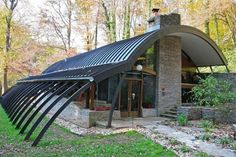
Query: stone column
169	66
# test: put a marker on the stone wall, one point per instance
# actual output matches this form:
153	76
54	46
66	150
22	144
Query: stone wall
149	112
214	114
192	113
169	74
79	116
169	20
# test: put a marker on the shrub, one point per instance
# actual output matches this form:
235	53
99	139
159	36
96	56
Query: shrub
201	154
206	137
182	120
185	149
233	146
213	92
174	142
207	125
224	140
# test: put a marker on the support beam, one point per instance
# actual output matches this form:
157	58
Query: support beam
57	91
114	100
211	69
91	98
71	98
29	103
39	120
227	68
51	89
29	97
23	97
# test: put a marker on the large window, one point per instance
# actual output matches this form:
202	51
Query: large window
148	91
147	60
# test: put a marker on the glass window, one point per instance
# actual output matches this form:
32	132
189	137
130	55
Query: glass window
147	60
149	93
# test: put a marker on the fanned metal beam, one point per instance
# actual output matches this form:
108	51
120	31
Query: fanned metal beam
49	123
57	91
9	96
27	99
16	95
38	121
19	97
34	104
24	99
36	96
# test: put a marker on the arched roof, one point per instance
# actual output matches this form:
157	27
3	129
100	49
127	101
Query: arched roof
121	55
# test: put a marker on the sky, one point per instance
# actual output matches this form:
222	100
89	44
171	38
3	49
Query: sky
37	3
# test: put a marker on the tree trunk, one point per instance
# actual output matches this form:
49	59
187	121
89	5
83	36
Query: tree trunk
207	28
4	80
110	22
96	28
10	6
113	23
217	29
6	51
69	24
126	32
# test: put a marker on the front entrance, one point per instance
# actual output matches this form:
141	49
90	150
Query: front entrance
130	104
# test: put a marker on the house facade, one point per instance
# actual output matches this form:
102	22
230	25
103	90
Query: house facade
142	76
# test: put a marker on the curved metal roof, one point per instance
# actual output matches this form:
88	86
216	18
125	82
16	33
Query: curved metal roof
200	48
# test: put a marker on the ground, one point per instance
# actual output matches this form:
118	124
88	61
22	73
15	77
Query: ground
58	141
128	137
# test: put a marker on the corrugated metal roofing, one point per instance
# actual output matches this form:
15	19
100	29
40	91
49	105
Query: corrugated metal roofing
122	51
110	54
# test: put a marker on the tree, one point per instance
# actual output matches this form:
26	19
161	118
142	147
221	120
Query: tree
87	23
127	24
57	17
109	9
10	6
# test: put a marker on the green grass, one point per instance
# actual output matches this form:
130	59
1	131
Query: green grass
60	142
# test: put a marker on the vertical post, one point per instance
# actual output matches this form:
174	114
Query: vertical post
91	102
227	68
114	100
88	98
211	69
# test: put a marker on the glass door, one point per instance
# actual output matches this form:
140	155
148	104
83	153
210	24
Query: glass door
130	98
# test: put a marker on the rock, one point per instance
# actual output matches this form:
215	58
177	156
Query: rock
234	129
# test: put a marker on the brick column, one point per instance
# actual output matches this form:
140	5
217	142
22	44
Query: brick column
168	82
169	74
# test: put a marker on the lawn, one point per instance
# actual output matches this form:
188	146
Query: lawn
60	142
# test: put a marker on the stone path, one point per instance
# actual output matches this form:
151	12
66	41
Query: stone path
152	128
191	141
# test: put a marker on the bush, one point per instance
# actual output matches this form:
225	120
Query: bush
206	137
182	120
174	142
207	125
201	154
224	140
233	146
185	149
213	92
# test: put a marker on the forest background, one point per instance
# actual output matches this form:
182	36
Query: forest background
34	34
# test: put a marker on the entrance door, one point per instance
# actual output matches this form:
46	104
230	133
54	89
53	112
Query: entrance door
130	98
